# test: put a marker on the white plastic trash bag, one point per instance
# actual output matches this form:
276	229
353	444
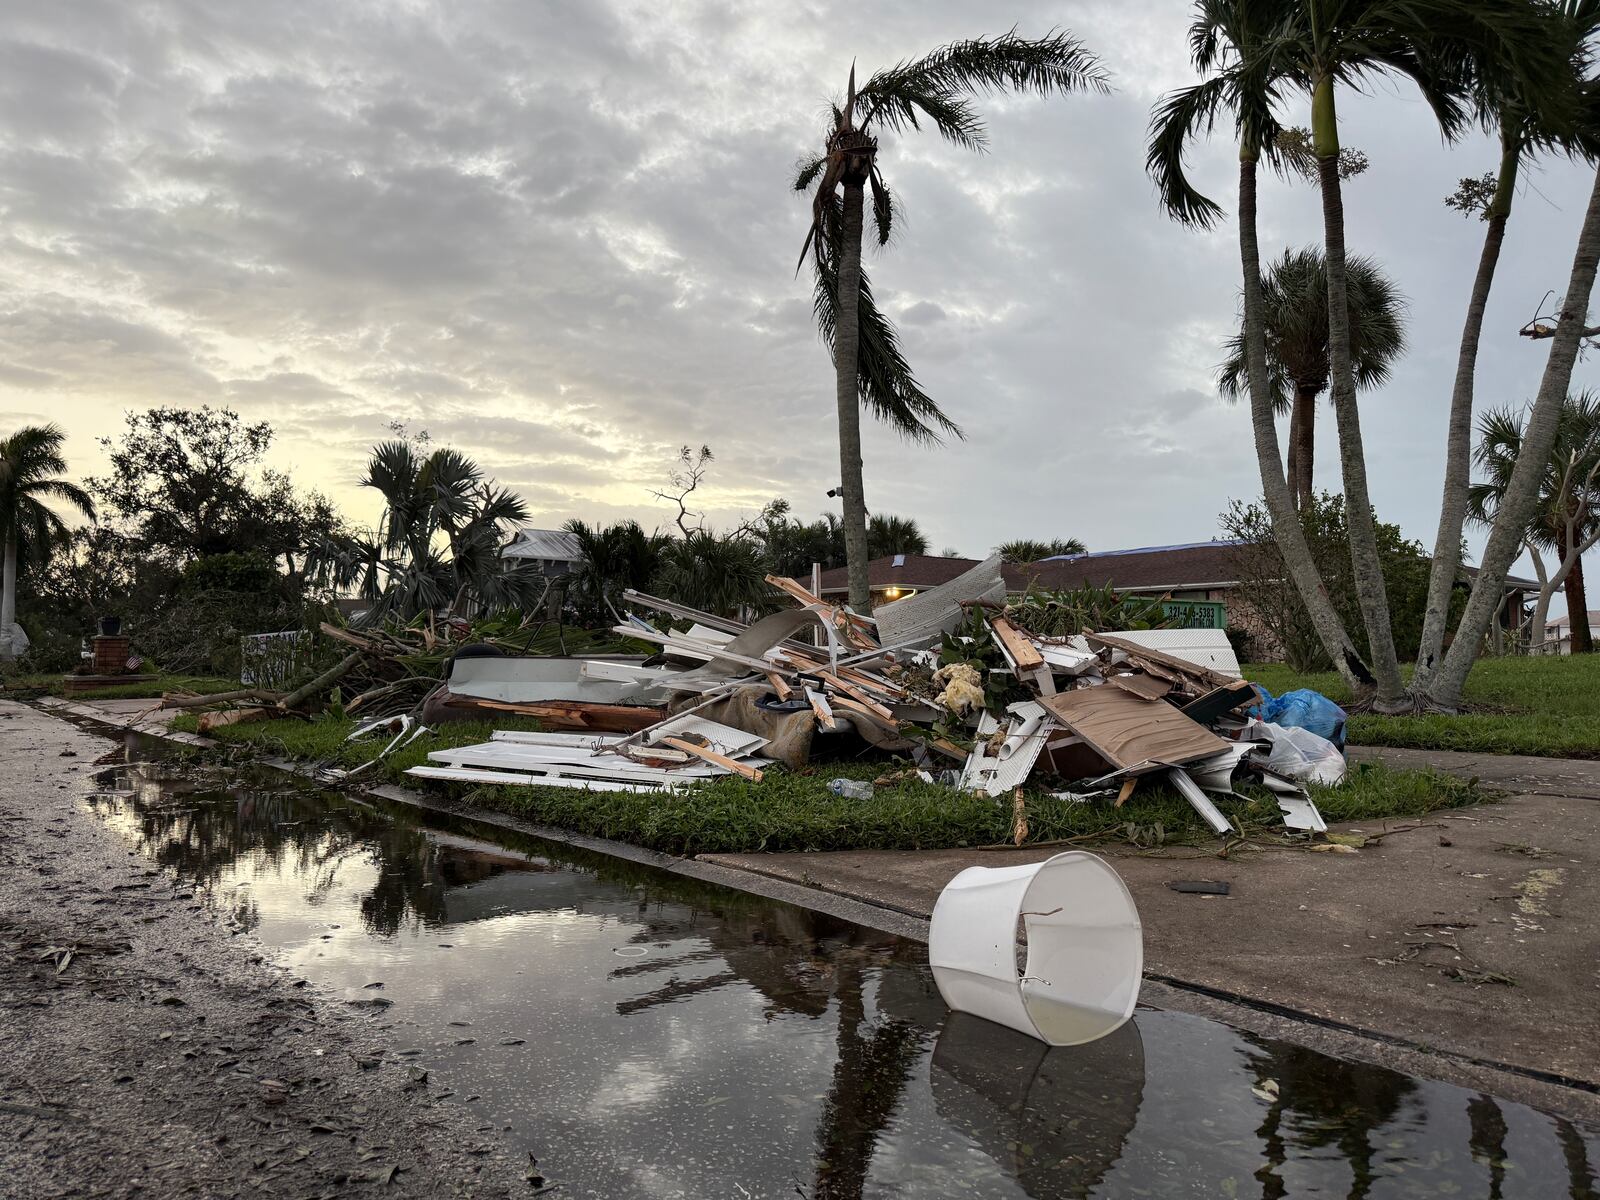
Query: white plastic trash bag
1085	947
1298	753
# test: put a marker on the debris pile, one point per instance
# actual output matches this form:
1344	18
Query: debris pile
950	678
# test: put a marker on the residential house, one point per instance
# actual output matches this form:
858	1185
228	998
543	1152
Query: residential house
1199	579
555	551
1558	632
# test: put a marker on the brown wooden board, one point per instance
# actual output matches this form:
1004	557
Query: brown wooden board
1146	687
564	714
1128	732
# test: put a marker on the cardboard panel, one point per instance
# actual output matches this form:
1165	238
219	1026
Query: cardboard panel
1128	731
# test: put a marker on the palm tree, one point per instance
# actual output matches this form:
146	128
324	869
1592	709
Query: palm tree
888	534
716	574
1524	126
1230	43
1435	44
1566	519
1443	688
1021	551
868	365
30	460
442	496
1295	300
615	557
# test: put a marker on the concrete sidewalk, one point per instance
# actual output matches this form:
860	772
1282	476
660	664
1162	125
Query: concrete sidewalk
1475	932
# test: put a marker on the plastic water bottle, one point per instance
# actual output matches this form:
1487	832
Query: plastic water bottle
851	789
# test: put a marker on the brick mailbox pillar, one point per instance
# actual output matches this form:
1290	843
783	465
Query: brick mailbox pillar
110	654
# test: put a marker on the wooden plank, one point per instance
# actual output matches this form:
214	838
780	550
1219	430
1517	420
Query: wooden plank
1126	790
783	690
711	756
855	693
1220	701
1019	648
889	723
1146	687
853	628
571	714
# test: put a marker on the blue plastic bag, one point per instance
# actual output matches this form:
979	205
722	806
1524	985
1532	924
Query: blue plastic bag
1302	709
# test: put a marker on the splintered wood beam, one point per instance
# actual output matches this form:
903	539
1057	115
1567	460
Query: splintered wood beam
819	705
848	705
779	686
852	627
855	693
753	774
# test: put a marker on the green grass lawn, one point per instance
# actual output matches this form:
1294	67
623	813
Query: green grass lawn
30	686
796	811
1546	705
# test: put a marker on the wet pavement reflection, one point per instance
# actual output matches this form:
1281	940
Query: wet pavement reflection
649	1036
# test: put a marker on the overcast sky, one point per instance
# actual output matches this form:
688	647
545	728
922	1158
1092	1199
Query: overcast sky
560	237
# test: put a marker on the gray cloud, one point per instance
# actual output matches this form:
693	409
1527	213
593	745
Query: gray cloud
560	236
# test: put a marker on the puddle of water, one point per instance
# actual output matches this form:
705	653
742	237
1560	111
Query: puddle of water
649	1036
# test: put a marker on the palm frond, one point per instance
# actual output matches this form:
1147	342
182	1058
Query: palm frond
1178	118
883	206
934	85
807	169
888	386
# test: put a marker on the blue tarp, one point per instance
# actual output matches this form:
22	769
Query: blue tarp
1302	709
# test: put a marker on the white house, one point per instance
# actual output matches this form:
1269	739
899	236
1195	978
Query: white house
1559	630
555	551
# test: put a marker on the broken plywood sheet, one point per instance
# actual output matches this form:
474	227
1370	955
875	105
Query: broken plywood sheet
1129	732
1208	649
1146	687
921	619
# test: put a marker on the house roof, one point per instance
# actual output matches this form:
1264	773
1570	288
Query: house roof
555	544
900	570
1188	566
1147	568
1564	622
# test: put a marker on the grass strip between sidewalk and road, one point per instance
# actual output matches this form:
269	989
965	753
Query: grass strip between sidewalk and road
790	811
1526	705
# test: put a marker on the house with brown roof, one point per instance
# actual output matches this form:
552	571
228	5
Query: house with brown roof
1198	575
1197	571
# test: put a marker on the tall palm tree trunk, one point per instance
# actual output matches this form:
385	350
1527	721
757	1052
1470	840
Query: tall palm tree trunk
8	593
1302	445
1577	604
1458	441
1287	531
1366	568
846	357
1522	492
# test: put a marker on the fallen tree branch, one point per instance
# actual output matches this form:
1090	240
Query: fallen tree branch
254	695
331	675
